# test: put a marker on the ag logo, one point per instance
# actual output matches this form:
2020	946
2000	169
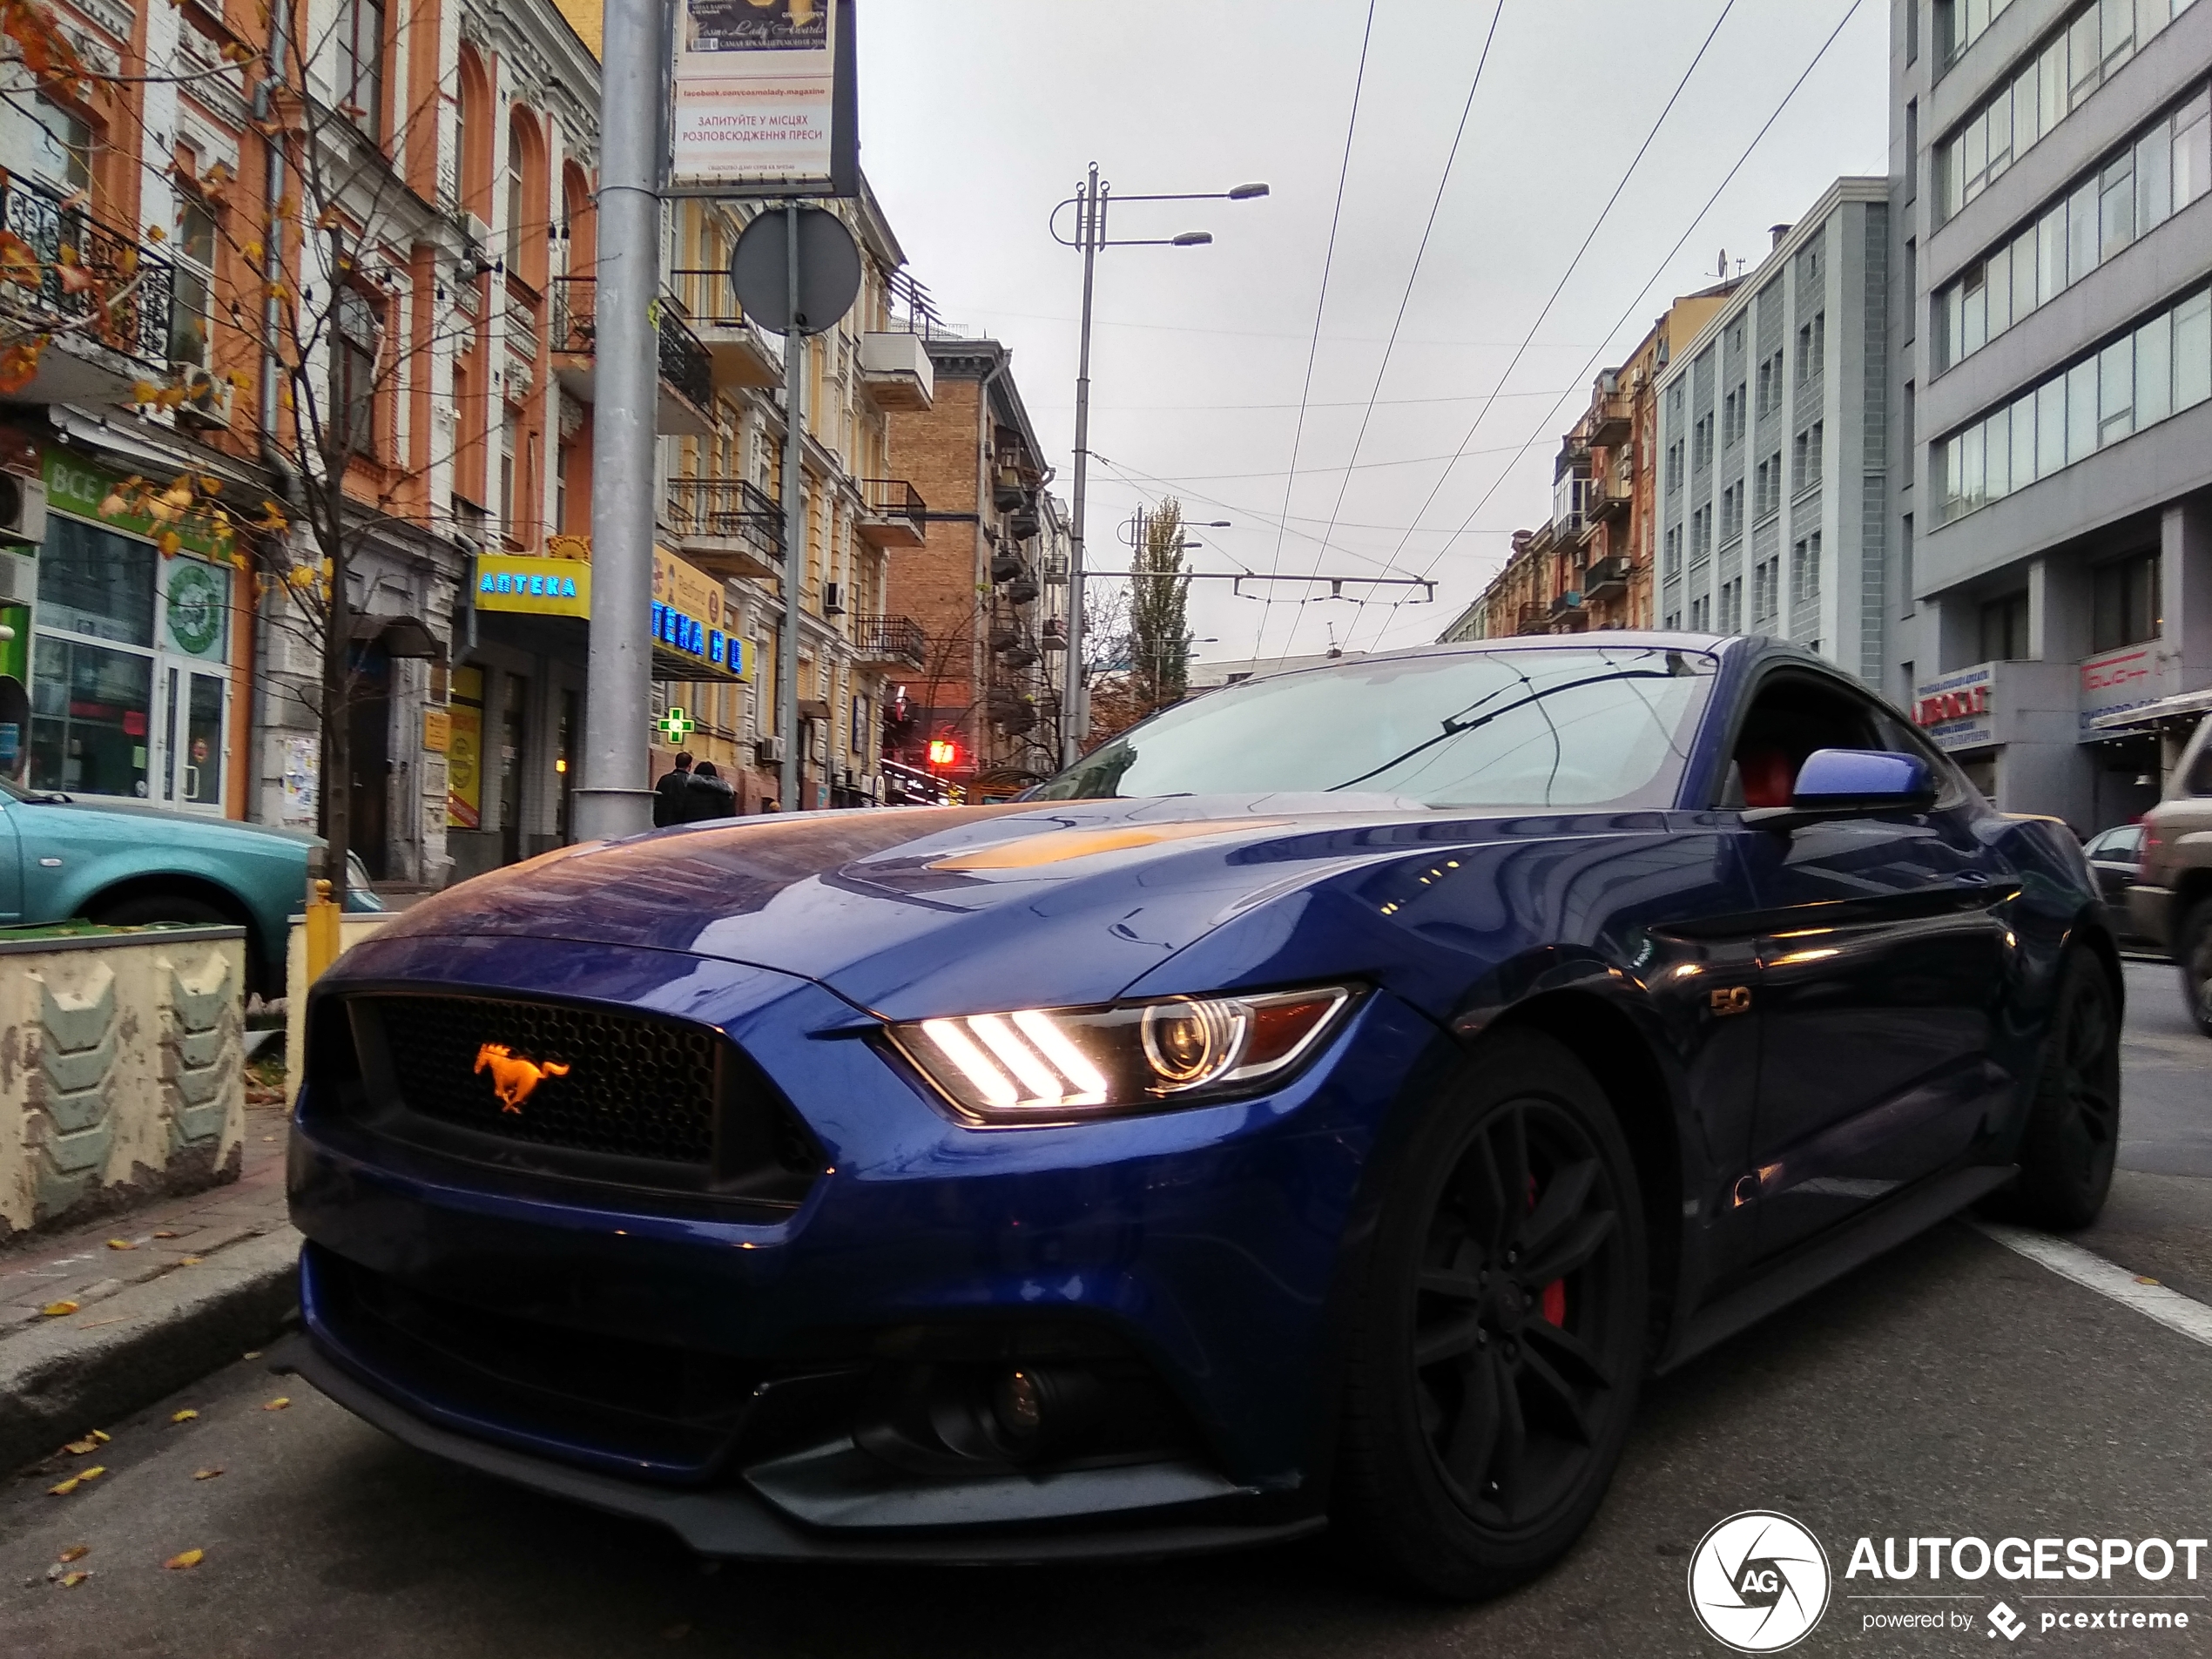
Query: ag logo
513	1079
1758	1581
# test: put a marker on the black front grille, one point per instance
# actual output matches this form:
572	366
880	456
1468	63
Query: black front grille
574	1092
605	1081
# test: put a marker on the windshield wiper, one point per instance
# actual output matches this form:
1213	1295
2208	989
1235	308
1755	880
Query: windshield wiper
1455	726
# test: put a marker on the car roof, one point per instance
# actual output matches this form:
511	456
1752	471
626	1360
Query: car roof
1725	646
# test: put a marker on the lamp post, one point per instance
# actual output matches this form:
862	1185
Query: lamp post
1090	203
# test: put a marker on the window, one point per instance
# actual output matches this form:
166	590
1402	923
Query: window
41	138
1766	491
358	39
1959	23
1912	150
1769	385
1702	443
1904	566
1731	513
1733	410
192	291
1812	348
1701	615
1806	458
2044	87
2004	628
1674	467
352	374
2161	368
1732	606
1911	432
1671	565
1701	536
1766	593
509	504
1804	569
2124	602
518	201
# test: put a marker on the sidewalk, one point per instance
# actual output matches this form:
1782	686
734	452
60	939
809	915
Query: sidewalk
195	1282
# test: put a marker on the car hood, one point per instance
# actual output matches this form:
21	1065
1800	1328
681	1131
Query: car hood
908	913
217	829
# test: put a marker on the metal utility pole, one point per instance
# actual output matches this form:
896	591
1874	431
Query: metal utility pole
794	504
616	796
1090	218
1089	204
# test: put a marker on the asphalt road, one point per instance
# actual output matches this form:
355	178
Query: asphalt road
1952	1388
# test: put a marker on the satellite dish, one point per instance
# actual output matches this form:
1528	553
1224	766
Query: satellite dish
829	272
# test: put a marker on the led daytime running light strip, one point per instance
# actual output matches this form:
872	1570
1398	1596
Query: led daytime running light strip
1052	1069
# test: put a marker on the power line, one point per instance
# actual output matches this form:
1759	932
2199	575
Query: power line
1412	276
1328	264
1687	231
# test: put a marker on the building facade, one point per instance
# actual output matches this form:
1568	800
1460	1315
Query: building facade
1771	444
2054	410
987	588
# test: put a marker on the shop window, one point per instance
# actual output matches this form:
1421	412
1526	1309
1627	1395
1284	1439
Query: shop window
94	582
353	360
2004	628
90	721
2124	602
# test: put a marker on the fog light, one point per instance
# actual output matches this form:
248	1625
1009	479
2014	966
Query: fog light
1020	1406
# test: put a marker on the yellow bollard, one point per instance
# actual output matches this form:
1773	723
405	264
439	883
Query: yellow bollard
322	941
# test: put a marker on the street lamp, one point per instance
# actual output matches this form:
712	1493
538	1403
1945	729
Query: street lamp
1090	203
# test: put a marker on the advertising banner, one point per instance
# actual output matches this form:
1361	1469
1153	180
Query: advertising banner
464	751
762	101
1956	710
2119	680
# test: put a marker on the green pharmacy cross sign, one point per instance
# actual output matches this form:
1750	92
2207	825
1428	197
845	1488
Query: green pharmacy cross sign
675	725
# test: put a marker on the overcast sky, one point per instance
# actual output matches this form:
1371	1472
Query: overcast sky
977	116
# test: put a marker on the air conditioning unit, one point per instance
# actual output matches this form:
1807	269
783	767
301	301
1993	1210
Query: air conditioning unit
208	399
833	598
768	751
23	508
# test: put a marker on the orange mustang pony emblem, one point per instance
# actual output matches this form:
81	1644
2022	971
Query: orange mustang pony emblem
514	1080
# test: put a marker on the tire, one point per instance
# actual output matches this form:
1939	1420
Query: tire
1497	1343
2193	950
2073	1134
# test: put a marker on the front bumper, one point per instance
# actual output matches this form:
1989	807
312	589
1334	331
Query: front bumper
1202	1246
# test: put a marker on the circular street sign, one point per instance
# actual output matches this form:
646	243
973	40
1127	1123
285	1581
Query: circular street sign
829	271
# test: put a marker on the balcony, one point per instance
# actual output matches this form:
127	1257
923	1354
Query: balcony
686	371
741	353
890	513
726	527
890	642
1612	419
1610	497
896	369
111	326
1533	618
1606	579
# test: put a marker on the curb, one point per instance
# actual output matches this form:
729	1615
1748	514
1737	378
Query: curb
61	1378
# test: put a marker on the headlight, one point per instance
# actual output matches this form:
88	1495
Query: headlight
1048	1065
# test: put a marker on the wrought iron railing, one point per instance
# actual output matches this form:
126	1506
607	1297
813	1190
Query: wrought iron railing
127	304
683	362
706	295
894	498
729	508
883	639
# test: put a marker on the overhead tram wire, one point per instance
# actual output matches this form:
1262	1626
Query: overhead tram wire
1328	264
1689	231
1575	264
1405	299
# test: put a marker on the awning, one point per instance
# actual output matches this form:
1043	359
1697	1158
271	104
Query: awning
2182	705
813	709
401	636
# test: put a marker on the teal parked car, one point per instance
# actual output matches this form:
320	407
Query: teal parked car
119	863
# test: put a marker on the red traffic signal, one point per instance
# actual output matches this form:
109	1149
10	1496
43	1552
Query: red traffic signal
944	752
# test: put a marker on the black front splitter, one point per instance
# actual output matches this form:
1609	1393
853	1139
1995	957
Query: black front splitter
734	1522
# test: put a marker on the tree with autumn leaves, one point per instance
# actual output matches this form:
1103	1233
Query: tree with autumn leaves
318	262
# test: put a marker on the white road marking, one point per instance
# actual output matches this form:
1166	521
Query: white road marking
2168	1307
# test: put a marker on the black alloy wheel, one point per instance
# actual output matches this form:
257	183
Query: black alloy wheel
1503	1342
2195	956
2072	1133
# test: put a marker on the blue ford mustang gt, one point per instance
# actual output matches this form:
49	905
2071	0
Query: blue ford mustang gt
1323	1105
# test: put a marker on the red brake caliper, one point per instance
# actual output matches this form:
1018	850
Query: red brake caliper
1554	1302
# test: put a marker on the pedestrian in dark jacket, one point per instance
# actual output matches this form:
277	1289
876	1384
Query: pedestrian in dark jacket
708	795
668	793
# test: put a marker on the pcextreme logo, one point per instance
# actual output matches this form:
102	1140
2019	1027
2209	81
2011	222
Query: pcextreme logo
1758	1581
514	1079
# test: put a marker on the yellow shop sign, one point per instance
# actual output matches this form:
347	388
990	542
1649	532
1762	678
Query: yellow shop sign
538	586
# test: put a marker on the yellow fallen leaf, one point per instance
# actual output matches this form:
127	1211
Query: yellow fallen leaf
251	1353
185	1416
278	1403
94	1472
120	1244
100	1434
76	1552
58	1310
184	1559
71	1581
204	1475
65	1487
188	1261
165	1232
78	1449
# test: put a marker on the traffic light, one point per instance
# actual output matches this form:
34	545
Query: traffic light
944	752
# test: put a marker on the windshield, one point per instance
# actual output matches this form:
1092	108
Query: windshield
1571	727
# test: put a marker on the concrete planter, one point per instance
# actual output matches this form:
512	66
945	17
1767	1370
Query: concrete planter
121	1070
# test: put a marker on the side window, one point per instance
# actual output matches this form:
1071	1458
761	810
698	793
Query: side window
1792	714
2199	781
